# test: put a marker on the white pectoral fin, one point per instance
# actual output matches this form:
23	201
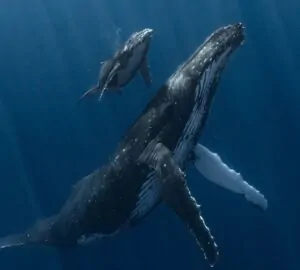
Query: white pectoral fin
111	75
211	166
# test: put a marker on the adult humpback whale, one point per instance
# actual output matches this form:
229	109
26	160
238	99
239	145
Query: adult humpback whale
149	163
120	69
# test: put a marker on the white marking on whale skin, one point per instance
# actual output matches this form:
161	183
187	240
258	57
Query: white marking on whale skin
177	81
135	60
184	145
89	238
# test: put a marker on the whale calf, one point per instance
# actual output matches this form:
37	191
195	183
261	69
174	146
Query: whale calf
149	164
120	69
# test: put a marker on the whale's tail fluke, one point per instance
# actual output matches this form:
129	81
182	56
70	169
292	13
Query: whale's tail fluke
39	233
14	240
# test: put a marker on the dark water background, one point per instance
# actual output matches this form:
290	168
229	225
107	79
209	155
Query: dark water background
50	52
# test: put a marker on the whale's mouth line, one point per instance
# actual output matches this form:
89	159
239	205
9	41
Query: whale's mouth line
209	75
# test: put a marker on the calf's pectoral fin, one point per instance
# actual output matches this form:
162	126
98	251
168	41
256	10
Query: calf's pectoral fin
145	72
177	196
110	80
93	90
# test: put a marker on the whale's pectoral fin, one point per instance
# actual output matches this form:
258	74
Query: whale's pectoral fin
177	196
111	80
145	72
211	166
14	240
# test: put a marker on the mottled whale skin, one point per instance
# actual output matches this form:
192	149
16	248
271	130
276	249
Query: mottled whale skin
149	164
120	69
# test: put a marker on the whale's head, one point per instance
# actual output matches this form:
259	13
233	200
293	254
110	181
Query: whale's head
198	76
143	36
192	86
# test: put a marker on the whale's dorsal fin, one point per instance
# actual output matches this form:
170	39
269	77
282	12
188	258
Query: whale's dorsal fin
211	166
176	194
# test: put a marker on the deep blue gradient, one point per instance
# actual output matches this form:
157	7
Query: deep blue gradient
50	53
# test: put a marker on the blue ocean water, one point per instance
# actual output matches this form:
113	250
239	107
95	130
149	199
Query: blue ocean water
50	53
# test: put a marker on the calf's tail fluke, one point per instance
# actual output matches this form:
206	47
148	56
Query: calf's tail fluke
14	240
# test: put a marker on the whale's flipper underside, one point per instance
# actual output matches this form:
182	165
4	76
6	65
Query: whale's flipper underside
211	166
14	240
145	72
176	194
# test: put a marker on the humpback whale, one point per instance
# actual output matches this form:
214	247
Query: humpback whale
120	69
149	164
